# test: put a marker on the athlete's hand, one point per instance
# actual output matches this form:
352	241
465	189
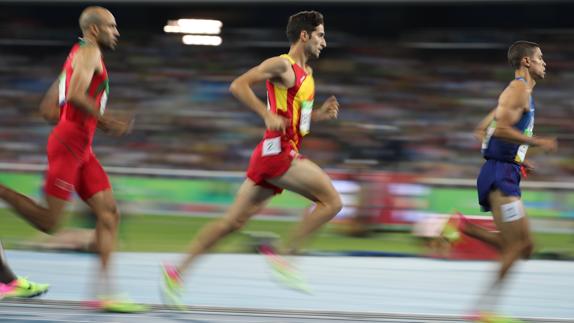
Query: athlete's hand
274	122
330	109
529	166
116	127
479	134
547	144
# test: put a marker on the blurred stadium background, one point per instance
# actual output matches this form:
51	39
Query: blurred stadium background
413	78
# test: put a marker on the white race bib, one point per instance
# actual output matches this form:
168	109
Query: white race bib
512	211
271	146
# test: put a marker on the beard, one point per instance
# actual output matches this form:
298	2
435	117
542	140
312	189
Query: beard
109	44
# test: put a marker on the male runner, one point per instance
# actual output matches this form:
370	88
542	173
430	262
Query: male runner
81	92
12	286
276	163
506	134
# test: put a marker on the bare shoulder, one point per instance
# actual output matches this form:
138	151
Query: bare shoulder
276	64
88	56
516	94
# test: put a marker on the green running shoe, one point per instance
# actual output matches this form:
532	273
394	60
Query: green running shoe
484	317
284	272
171	287
452	230
122	306
22	288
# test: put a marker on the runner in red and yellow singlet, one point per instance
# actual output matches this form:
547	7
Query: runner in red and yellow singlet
77	102
276	163
273	156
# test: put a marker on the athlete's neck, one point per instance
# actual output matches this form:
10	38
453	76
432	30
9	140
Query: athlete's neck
523	73
297	53
90	40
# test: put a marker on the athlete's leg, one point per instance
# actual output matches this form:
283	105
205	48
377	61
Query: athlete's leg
63	165
510	219
45	219
306	178
107	214
490	237
104	206
249	200
6	274
515	240
12	286
93	186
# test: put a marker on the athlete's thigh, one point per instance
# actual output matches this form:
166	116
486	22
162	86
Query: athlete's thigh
304	177
249	200
62	174
92	178
509	217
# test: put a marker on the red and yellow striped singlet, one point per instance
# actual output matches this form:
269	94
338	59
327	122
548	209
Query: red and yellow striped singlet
294	103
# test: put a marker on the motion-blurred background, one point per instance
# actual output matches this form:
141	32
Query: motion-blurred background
413	79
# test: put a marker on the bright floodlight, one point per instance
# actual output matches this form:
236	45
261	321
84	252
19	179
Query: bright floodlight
201	40
194	26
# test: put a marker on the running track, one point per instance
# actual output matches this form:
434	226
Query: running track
238	288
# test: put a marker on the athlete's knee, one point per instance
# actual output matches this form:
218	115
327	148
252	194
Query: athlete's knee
333	204
109	217
51	223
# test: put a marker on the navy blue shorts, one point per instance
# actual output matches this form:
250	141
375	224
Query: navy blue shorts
500	175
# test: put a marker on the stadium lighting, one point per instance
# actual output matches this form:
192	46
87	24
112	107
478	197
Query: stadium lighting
194	26
202	40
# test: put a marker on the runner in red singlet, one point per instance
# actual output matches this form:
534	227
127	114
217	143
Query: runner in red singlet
80	95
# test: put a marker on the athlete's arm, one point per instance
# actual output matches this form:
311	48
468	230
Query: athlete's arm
49	107
510	108
480	129
85	64
329	110
275	68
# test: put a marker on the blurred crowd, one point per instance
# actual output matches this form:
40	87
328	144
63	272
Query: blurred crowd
403	108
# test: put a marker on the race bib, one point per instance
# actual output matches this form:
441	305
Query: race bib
512	211
271	146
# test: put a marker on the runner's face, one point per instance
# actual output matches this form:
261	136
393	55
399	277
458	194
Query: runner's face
537	65
316	42
108	32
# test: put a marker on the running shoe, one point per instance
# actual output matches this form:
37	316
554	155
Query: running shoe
123	306
22	288
452	230
116	305
283	271
485	317
172	286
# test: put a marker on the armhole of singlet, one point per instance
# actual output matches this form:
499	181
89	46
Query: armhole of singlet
292	68
520	78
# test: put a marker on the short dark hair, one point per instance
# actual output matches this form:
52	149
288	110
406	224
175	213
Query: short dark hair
519	50
304	20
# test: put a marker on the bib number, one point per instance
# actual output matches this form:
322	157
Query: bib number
271	146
